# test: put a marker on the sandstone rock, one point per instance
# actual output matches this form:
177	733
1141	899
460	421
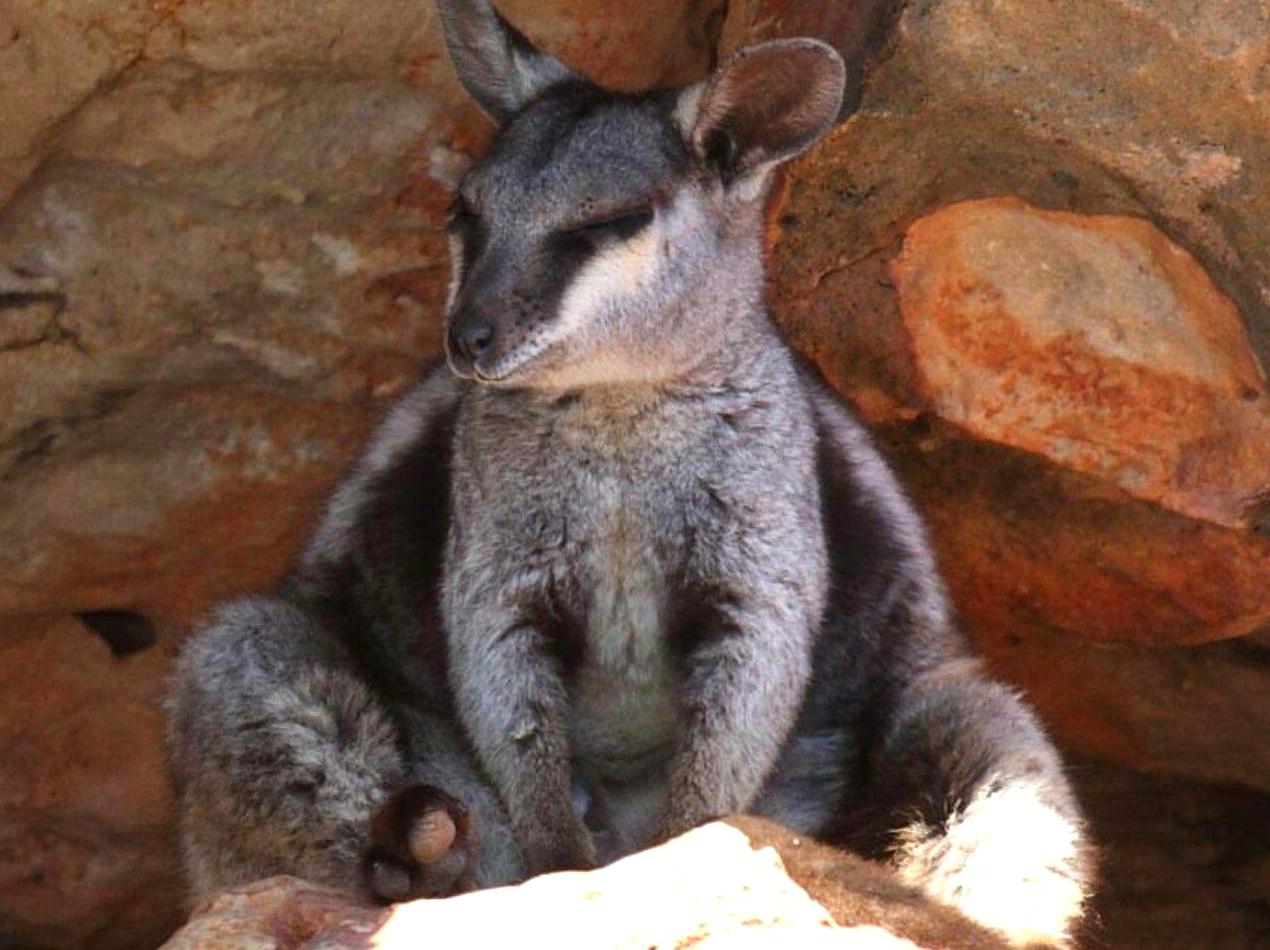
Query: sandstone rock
57	55
87	843
1094	341
1180	875
1152	111
1097	344
860	893
1002	417
708	888
1101	106
1068	586
1185	866
281	913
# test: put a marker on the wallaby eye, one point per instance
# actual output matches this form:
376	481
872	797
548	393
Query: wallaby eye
620	226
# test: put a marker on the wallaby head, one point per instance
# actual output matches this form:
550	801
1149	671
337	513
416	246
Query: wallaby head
609	238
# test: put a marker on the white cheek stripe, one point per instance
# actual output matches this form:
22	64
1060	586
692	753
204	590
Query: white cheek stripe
612	274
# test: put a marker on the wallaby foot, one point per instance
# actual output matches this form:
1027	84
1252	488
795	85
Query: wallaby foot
421	845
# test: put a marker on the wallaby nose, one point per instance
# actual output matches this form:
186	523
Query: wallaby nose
471	338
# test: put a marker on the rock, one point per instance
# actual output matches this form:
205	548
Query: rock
713	887
281	913
859	893
1098	345
1095	342
1069	587
1079	538
1199	847
1154	109
87	838
1185	865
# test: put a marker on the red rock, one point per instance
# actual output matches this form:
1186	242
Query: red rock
1069	587
87	840
1094	341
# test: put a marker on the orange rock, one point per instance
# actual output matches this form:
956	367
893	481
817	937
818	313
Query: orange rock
87	838
1094	341
1116	617
1026	542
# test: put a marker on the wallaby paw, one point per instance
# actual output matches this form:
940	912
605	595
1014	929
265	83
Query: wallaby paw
421	845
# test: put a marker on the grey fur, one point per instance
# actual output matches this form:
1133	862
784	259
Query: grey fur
630	565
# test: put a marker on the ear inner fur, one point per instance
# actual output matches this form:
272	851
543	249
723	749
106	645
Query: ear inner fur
773	101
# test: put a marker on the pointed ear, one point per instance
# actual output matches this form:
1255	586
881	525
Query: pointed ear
496	64
766	104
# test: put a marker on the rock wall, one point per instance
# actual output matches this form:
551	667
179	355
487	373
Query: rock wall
1036	258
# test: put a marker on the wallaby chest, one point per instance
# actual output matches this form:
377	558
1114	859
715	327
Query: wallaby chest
613	511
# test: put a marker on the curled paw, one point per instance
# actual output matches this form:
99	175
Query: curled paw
421	845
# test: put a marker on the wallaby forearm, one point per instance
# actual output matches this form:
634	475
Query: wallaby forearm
514	708
740	699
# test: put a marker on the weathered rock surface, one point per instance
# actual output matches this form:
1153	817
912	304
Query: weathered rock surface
87	849
1059	468
708	888
1185	869
1185	866
220	257
1094	341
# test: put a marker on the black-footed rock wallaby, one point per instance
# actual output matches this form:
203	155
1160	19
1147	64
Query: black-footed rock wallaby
624	565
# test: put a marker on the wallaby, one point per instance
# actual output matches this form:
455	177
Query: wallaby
626	565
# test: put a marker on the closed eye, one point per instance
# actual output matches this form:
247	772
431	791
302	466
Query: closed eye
619	226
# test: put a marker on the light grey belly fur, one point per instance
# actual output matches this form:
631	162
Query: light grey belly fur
624	719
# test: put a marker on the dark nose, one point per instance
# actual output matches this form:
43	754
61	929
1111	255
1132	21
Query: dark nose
471	338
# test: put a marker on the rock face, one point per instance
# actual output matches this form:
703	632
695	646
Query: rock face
708	888
86	825
1036	258
1093	341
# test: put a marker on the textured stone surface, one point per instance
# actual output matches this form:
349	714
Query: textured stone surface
1100	346
87	847
1063	487
1185	866
713	887
1189	872
1094	341
859	893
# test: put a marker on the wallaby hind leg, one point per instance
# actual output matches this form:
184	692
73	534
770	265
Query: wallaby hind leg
282	755
441	772
977	809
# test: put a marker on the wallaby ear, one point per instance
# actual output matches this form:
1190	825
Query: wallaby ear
766	104
496	64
